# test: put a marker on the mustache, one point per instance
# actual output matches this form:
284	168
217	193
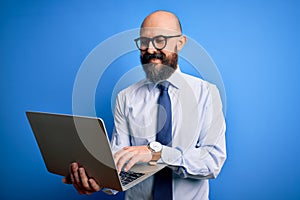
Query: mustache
147	57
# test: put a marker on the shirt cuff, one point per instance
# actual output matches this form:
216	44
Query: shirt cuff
170	156
109	191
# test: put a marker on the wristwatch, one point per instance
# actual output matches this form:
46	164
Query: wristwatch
155	148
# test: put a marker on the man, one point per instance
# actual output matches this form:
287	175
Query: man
169	117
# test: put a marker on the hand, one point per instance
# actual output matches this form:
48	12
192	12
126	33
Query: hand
81	182
131	155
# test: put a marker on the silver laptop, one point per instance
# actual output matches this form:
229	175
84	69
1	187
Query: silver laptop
63	139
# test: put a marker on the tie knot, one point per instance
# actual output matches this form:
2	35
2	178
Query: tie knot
163	86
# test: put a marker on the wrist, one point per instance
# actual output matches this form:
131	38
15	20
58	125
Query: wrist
156	149
156	156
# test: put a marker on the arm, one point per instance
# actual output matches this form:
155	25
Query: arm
206	156
120	142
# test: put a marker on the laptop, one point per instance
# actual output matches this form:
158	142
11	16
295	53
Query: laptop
63	139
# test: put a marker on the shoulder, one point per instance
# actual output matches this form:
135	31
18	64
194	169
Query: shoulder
133	89
202	89
205	92
198	83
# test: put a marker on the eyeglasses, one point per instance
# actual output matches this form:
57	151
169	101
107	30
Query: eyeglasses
159	42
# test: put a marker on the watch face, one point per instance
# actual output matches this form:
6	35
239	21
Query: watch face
155	146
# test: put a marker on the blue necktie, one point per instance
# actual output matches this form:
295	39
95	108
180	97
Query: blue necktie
162	188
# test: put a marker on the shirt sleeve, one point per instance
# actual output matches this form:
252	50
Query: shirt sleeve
206	157
120	136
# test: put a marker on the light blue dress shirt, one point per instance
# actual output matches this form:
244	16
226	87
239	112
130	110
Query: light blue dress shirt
198	129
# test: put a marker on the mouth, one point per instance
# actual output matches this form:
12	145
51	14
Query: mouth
155	60
152	58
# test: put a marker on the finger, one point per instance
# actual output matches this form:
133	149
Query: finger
78	189
67	180
74	176
120	153
131	162
94	185
76	186
84	179
75	173
123	160
71	173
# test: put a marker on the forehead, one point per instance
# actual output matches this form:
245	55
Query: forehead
155	31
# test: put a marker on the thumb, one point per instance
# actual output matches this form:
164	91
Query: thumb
67	180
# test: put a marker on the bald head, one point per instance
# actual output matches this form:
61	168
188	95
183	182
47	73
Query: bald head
161	39
162	19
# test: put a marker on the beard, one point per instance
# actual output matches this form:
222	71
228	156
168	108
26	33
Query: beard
159	73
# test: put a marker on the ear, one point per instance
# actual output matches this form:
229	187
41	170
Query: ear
181	42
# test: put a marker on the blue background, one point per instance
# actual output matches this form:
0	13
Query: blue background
255	45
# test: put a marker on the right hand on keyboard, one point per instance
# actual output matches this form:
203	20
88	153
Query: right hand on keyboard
80	180
129	156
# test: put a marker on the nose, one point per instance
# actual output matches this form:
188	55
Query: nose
151	49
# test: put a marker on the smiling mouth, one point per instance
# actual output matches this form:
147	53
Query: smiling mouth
155	60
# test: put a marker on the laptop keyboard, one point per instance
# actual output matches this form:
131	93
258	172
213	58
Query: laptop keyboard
127	177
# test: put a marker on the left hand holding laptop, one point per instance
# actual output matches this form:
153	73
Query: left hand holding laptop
127	156
80	180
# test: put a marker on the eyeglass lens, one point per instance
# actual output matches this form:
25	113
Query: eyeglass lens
158	42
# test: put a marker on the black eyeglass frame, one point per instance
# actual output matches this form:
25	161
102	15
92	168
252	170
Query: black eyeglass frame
152	40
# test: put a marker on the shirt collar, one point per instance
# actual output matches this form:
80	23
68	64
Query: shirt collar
175	80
